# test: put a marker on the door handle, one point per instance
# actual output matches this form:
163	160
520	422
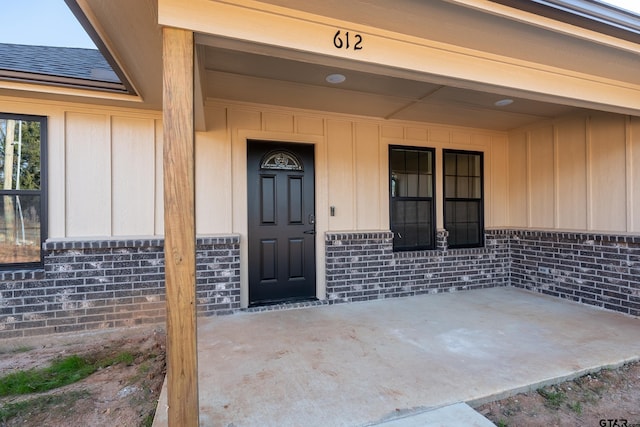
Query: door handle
309	232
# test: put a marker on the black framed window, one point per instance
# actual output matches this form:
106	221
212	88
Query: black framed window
463	198
22	190
412	205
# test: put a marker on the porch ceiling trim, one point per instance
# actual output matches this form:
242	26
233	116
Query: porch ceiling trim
305	33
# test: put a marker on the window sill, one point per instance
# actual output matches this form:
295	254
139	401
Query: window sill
480	250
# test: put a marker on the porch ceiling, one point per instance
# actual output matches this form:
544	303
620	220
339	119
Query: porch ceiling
234	69
300	83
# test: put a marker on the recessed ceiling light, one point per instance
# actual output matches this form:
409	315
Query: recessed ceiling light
335	78
503	102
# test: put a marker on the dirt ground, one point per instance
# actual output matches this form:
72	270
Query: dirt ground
126	395
123	395
609	398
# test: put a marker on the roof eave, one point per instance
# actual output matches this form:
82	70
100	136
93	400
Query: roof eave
69	82
102	47
588	14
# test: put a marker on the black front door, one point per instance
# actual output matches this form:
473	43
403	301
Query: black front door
281	211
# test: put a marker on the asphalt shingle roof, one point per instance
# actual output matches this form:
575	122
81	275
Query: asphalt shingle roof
87	64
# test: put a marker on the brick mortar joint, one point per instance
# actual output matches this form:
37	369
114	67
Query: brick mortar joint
50	245
13	275
578	236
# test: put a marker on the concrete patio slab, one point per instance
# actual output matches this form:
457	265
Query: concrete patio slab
456	415
367	363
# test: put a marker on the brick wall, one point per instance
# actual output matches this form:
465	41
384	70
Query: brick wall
595	269
111	283
363	266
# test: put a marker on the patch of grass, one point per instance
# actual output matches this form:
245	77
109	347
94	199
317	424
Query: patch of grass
148	420
125	357
502	423
144	367
553	399
62	372
40	404
576	407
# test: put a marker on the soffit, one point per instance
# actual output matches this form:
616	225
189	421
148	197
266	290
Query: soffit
458	23
250	77
247	65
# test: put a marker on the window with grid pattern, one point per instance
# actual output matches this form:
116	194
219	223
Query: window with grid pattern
463	198
411	187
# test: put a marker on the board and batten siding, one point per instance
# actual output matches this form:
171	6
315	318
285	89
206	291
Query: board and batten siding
576	173
105	166
351	156
112	175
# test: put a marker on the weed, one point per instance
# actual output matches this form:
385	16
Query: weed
148	420
144	367
124	357
553	399
502	423
576	407
61	372
40	404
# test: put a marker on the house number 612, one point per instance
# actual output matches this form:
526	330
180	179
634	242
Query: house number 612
344	41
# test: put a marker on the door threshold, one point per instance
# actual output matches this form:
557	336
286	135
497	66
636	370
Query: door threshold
284	305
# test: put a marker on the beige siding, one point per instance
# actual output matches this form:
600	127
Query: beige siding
367	184
607	170
496	180
105	166
310	126
576	173
351	164
634	174
277	122
341	174
392	132
105	173
541	178
213	175
57	174
518	185
572	175
132	174
159	199
88	173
